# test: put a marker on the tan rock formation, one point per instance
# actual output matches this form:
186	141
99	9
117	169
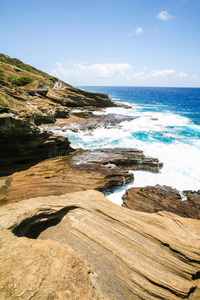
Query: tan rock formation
42	270
133	255
100	169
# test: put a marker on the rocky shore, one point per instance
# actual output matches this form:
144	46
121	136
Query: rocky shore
60	237
82	246
100	169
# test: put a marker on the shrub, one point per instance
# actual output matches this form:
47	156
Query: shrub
18	81
17	70
1	74
10	78
53	79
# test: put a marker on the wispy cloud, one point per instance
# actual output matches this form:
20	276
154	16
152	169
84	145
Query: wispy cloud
162	73
182	75
139	30
164	16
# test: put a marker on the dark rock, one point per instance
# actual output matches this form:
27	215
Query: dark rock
61	112
22	143
44	119
3	84
4	109
152	199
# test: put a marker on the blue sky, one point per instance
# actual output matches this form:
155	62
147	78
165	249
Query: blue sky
107	42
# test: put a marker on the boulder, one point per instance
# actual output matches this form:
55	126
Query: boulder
163	198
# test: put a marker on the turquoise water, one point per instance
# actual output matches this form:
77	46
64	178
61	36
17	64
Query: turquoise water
167	126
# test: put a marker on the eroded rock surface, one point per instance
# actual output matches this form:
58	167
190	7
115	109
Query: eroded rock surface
42	270
157	198
126	158
101	169
132	255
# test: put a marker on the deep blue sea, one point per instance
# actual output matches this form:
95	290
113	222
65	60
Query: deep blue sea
167	127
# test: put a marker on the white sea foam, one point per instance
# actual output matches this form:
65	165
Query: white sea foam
181	169
180	153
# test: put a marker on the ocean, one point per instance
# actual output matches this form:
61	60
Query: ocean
166	126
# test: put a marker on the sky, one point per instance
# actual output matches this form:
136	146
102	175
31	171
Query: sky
107	42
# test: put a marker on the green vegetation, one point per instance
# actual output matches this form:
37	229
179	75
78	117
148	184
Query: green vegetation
18	63
53	79
1	74
2	102
18	81
7	100
17	70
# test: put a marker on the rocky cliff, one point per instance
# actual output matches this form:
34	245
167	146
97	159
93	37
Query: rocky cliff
132	255
23	144
28	99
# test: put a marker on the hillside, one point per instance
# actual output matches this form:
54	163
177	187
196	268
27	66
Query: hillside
18	82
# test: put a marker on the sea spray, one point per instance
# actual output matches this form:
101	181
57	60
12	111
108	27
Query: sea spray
166	126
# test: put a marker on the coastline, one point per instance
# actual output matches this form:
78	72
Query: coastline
53	212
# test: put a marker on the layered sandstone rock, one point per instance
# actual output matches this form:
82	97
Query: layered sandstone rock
157	198
101	169
132	255
74	97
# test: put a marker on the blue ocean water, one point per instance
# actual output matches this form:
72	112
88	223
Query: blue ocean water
166	126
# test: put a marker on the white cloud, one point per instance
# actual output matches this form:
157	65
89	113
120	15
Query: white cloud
182	75
164	15
130	34
110	70
79	73
139	30
162	73
79	70
195	76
